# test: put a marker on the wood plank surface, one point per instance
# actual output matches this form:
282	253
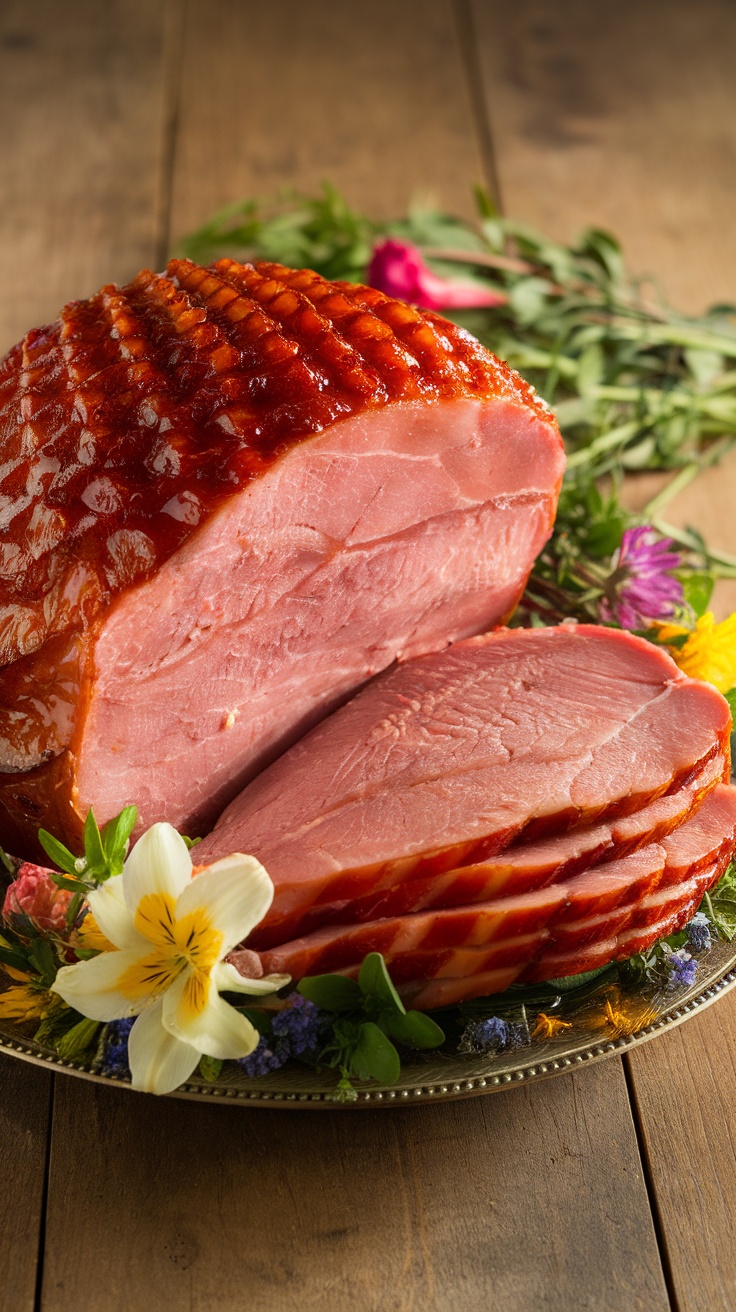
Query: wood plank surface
536	1197
24	1128
370	96
533	1198
684	1085
83	112
621	116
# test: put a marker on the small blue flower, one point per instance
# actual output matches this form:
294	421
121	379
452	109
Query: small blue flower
264	1058
681	969
488	1036
698	933
300	1026
115	1056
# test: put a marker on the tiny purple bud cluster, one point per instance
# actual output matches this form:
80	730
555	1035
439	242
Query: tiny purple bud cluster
699	938
299	1029
301	1025
493	1035
115	1059
681	969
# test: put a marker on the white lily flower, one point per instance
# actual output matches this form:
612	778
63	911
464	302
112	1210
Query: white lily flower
170	932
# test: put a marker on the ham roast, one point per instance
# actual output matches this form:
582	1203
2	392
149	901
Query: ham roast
228	497
450	758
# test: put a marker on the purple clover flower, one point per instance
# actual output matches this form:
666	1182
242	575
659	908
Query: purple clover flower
641	586
698	933
115	1056
681	969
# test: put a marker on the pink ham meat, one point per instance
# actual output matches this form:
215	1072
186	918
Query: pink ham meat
230	496
527	866
449	758
521	931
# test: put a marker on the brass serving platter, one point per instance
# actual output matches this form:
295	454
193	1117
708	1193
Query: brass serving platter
602	1021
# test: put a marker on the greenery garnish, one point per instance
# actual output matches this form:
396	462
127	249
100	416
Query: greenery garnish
369	1014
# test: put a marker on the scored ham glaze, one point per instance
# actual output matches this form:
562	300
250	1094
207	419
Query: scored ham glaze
446	760
228	497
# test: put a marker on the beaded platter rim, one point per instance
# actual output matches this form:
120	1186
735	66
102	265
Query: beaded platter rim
436	1078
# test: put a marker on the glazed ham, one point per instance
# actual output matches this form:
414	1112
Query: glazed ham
228	497
449	758
527	932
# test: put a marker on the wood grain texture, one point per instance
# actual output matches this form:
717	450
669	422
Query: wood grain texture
82	104
369	96
622	116
24	1128
684	1087
529	1199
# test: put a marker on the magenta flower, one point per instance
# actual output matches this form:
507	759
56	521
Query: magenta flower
642	586
397	268
33	894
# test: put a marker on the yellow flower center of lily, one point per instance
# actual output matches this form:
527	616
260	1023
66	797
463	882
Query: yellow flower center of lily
188	944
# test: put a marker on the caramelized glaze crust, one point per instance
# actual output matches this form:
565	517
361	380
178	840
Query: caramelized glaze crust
132	418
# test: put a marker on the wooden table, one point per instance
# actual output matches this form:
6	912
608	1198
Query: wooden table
124	124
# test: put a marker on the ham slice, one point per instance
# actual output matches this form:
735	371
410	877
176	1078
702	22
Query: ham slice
527	866
228	497
449	758
634	892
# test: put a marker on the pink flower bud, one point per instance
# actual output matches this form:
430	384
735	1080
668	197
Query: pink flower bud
34	894
397	268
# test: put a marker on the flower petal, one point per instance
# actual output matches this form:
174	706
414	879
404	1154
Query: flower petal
229	980
93	987
159	863
236	893
159	1062
110	910
217	1030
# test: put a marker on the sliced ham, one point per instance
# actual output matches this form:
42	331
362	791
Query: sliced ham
641	888
527	866
448	758
228	497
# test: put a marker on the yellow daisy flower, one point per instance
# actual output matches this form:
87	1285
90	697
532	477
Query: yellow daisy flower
710	650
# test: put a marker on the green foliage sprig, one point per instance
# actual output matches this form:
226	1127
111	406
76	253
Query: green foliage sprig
369	1015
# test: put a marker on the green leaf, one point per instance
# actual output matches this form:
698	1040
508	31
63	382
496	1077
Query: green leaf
115	838
697	588
332	992
590	369
374	1056
93	849
58	853
210	1068
75	1042
41	955
415	1030
71	885
6	863
568	982
10	957
375	982
259	1019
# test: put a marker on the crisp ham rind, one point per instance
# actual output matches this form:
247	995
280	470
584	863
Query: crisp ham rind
448	759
